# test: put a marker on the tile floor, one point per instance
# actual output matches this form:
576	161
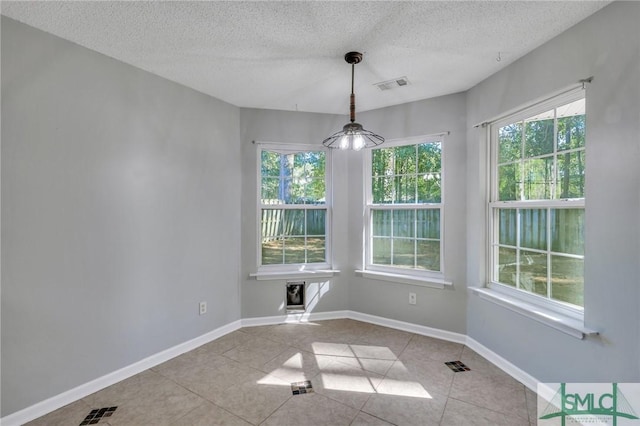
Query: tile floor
361	374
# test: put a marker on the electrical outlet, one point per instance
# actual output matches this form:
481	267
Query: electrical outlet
412	298
203	308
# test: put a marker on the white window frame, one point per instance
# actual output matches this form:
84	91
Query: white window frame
521	296
294	270
412	276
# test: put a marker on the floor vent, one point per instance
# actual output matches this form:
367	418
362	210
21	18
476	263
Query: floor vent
457	366
299	388
96	415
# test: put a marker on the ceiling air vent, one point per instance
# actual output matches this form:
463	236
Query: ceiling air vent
393	84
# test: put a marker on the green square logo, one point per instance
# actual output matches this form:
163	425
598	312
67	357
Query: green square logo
599	404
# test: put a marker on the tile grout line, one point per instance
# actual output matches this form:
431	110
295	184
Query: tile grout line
204	399
489	409
379	418
526	400
262	371
273	412
444	409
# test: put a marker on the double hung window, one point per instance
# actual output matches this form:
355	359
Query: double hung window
537	201
293	210
404	220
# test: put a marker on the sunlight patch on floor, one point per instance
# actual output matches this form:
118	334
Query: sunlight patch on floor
403	388
336	349
350	380
344	382
373	352
294	362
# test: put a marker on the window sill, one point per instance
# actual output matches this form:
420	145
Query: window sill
293	275
404	279
553	319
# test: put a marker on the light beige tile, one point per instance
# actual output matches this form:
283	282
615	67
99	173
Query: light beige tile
395	377
421	347
260	344
406	388
256	352
72	414
340	324
379	366
226	342
477	362
372	351
353	391
459	413
352	365
209	414
381	340
326	362
405	410
345	383
146	398
290	333
251	358
260	330
532	404
285	333
494	392
198	358
293	365
345	330
364	419
254	400
324	346
311	409
207	374
434	376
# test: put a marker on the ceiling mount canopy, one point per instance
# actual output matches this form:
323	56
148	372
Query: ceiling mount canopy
353	136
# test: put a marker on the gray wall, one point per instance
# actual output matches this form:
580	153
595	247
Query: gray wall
443	309
117	215
266	298
605	46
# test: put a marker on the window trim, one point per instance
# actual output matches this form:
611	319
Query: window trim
505	294
426	278
425	281
543	314
294	270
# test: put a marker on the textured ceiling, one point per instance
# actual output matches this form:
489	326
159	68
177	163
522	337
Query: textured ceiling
289	55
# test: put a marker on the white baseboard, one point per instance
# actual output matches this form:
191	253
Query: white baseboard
359	316
293	318
65	398
515	372
44	407
410	327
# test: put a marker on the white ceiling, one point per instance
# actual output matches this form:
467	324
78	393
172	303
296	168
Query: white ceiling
290	55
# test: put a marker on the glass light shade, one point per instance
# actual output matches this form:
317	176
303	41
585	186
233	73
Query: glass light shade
353	137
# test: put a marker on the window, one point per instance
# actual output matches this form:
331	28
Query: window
404	208
537	201
293	210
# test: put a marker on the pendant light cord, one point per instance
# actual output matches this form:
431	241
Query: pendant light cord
352	107
353	136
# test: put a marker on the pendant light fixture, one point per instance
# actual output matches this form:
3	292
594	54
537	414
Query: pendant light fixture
353	136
